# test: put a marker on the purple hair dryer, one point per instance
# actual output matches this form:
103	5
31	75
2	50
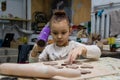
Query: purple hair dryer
43	36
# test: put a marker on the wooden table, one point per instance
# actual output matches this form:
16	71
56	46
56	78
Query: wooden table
107	53
107	63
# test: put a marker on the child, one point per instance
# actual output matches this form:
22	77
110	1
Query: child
63	48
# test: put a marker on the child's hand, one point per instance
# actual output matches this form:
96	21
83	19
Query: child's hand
75	53
36	49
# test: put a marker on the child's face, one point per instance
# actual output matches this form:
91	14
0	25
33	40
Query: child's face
60	32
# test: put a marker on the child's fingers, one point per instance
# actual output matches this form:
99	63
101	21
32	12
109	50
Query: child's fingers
73	57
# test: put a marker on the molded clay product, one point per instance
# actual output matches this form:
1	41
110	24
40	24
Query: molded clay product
72	66
85	71
86	66
58	67
74	62
77	62
50	63
64	64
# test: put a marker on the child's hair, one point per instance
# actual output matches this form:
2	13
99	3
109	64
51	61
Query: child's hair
58	16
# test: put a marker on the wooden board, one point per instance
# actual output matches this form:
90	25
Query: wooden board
96	71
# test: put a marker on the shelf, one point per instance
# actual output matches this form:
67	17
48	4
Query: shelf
12	21
15	19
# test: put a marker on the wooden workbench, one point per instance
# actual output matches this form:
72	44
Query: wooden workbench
106	68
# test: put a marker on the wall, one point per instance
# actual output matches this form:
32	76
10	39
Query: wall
102	2
81	10
14	7
18	8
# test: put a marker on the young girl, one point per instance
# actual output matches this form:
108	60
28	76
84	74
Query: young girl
63	48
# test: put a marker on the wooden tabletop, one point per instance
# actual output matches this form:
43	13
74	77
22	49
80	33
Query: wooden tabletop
107	53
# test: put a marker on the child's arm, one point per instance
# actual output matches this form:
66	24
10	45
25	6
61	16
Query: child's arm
88	51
